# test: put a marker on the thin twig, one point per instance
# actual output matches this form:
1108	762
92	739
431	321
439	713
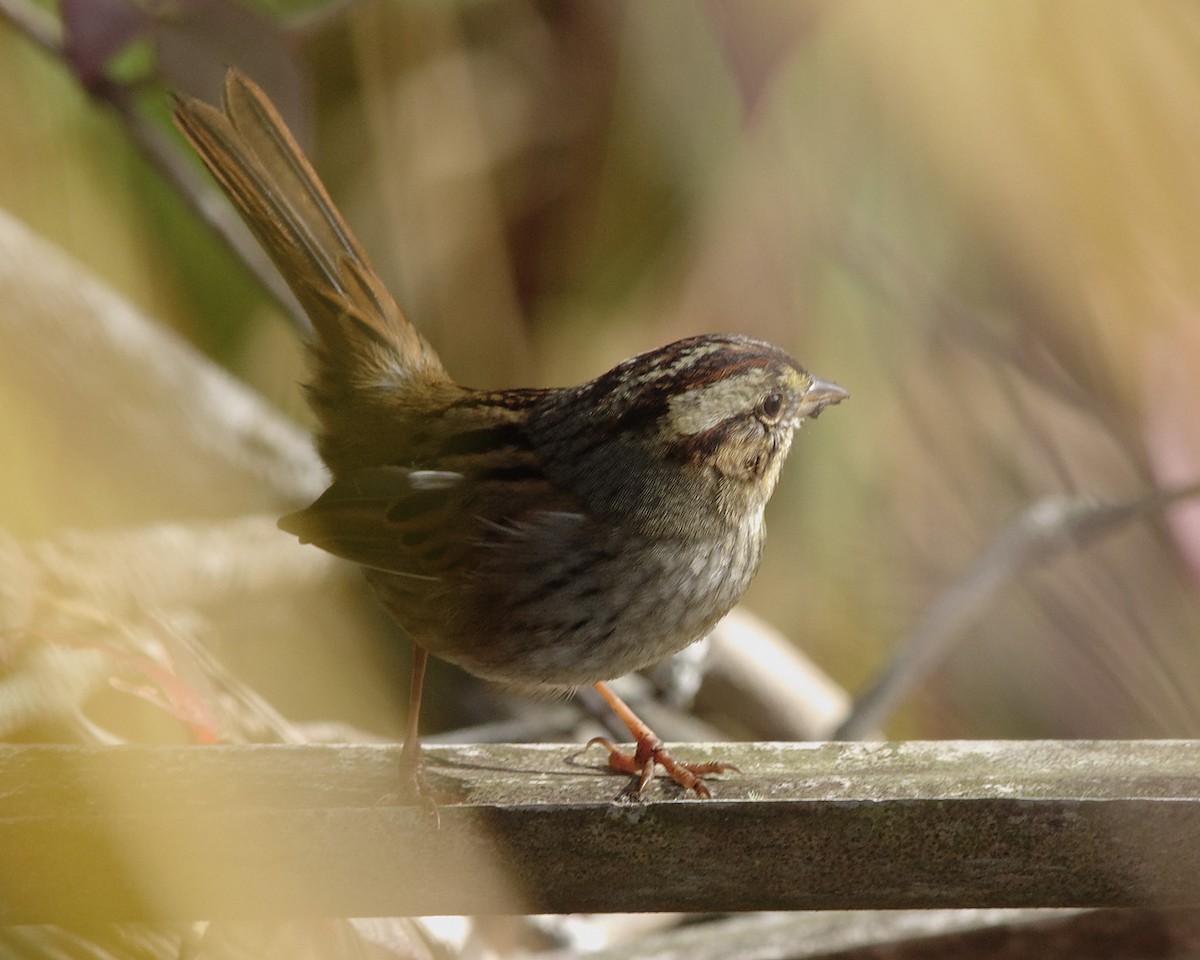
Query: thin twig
166	154
1041	531
35	24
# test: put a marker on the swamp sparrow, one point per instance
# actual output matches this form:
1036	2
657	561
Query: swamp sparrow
541	538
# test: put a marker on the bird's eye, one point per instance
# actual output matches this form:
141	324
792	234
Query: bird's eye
771	405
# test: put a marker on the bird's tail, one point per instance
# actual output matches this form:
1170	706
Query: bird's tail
364	343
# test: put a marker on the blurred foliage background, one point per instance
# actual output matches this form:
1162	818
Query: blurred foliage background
981	219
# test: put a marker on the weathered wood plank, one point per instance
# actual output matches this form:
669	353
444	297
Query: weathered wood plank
138	833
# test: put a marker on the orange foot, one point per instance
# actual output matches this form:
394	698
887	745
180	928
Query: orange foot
650	751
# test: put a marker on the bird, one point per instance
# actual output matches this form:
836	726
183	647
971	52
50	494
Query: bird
541	538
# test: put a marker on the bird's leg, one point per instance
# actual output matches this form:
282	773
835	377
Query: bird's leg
650	750
411	761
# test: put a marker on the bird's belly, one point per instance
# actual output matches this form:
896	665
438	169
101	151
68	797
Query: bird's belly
560	619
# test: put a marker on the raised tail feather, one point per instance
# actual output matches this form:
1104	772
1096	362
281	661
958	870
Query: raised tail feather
363	336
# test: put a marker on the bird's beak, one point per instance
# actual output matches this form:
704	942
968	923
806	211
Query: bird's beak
821	394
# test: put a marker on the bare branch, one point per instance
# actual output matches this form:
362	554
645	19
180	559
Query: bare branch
1040	532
